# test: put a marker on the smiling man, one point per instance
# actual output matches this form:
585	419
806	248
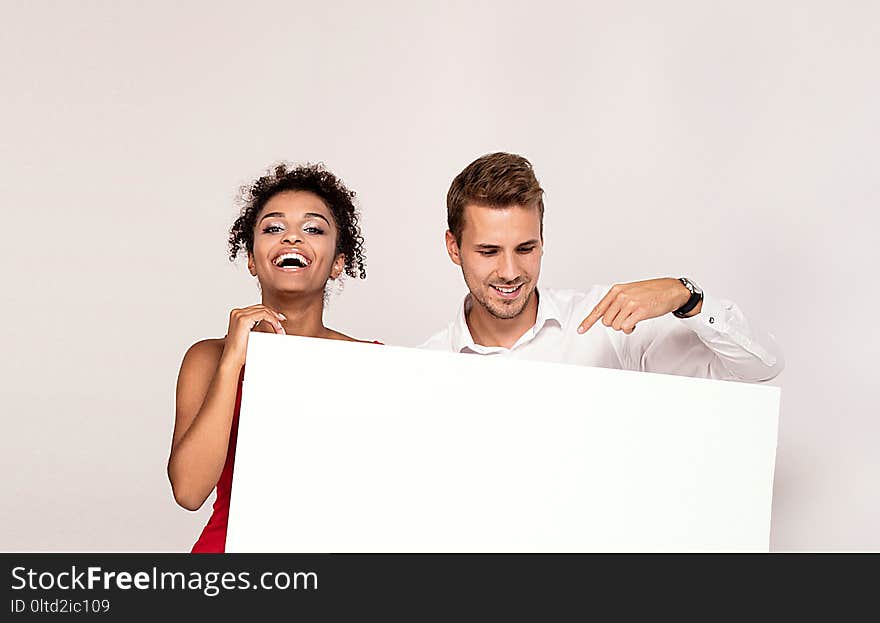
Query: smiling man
495	213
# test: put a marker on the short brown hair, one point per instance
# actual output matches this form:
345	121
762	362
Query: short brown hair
497	180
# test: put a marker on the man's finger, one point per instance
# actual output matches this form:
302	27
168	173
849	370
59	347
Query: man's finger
589	321
626	311
598	311
613	312
629	325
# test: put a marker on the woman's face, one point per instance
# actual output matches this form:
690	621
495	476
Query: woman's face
295	244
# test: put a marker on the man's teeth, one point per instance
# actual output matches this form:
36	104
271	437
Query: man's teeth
291	259
506	290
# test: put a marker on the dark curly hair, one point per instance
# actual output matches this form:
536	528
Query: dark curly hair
314	178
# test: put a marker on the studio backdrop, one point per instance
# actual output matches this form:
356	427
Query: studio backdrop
734	143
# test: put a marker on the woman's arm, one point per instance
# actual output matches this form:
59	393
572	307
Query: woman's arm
206	389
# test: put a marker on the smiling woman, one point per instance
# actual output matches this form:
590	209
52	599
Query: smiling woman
333	197
299	228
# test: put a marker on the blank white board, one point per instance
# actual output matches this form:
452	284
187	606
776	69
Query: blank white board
350	447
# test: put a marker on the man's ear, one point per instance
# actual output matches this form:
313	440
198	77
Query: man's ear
251	266
338	266
452	248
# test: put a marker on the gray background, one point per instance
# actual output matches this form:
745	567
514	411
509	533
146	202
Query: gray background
735	143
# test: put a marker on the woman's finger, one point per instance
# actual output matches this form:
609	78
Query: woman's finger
269	309
256	316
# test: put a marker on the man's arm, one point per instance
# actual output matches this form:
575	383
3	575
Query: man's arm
716	341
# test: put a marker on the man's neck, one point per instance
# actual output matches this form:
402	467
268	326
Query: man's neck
488	330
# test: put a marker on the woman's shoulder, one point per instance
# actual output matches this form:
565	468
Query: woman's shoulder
336	335
208	345
205	352
197	368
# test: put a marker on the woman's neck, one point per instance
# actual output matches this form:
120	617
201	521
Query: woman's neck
304	314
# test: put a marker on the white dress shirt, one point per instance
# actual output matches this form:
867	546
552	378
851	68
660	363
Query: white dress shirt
717	343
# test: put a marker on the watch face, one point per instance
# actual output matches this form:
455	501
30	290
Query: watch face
690	285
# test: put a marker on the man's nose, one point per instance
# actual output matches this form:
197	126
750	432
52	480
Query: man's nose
507	268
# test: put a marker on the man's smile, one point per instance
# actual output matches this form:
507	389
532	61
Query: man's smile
507	292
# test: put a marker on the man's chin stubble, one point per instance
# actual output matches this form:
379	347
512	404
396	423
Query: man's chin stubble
505	313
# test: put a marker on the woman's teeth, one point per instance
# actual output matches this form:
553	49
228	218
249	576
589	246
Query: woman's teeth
291	260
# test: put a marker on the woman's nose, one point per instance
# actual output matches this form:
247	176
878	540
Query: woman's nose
291	238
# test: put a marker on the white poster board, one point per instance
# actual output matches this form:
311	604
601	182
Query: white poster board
349	447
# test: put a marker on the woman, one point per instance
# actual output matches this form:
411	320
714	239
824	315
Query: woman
299	229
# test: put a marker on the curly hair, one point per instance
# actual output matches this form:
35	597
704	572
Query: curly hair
314	178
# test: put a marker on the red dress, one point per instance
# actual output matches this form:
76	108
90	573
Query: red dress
213	537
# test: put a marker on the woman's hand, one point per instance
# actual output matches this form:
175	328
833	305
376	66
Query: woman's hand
241	323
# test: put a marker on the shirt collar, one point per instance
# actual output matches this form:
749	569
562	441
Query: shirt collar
548	311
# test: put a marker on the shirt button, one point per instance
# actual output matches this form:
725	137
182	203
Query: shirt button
711	319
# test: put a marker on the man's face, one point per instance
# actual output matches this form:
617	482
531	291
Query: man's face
500	256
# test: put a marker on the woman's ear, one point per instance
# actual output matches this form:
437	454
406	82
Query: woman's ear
338	266
251	266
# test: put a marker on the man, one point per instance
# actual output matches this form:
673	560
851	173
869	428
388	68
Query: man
495	215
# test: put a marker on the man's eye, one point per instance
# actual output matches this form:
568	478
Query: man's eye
526	249
487	253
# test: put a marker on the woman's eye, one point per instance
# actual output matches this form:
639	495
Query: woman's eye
313	230
272	229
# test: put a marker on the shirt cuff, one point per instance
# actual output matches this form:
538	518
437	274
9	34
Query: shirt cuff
717	323
711	320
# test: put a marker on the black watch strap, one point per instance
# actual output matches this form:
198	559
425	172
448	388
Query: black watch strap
696	297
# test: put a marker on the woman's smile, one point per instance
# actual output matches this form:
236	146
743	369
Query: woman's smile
291	260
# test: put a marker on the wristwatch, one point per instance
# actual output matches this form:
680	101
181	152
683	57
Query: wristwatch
696	297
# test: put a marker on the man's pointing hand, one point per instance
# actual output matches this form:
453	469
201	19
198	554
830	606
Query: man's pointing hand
627	304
